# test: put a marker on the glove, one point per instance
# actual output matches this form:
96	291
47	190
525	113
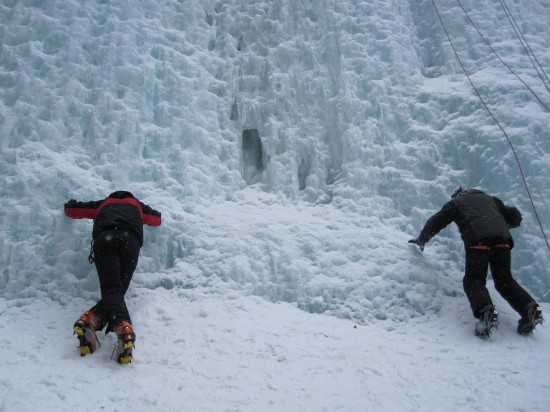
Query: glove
419	243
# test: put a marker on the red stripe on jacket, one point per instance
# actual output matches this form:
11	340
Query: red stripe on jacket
86	213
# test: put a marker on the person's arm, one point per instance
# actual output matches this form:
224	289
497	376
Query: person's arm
81	210
435	224
438	222
511	214
151	217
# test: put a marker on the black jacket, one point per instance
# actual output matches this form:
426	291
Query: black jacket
481	219
120	210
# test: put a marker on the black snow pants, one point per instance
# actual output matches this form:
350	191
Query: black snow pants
116	255
475	279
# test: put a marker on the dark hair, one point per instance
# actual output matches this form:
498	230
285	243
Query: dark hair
457	191
121	194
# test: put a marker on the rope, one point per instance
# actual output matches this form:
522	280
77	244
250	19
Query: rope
498	124
502	61
521	40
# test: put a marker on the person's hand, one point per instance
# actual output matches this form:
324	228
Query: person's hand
418	243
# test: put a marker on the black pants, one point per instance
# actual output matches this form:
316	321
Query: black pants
116	255
499	260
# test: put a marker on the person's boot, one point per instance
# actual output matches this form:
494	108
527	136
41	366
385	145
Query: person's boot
530	318
126	341
84	329
488	319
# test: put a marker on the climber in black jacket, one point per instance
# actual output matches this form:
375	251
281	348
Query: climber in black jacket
484	222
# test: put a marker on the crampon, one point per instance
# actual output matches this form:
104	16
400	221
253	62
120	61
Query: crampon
84	329
125	343
487	322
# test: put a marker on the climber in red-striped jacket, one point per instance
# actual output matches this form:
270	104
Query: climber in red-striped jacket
117	238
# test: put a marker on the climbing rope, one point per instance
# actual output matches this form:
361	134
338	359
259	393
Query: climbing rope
497	123
526	46
502	61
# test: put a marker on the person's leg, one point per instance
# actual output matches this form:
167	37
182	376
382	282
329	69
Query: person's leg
107	262
475	279
128	247
505	284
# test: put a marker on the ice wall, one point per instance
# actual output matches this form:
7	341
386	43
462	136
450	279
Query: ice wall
364	104
360	104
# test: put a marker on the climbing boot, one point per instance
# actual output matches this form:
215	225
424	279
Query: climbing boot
125	342
84	329
531	317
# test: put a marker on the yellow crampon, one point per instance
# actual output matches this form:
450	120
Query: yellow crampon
125	354
87	339
84	350
125	343
84	346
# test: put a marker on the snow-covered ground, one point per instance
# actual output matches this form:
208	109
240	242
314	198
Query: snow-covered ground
200	350
281	278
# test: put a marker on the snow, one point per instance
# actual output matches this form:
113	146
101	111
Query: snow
280	283
207	352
